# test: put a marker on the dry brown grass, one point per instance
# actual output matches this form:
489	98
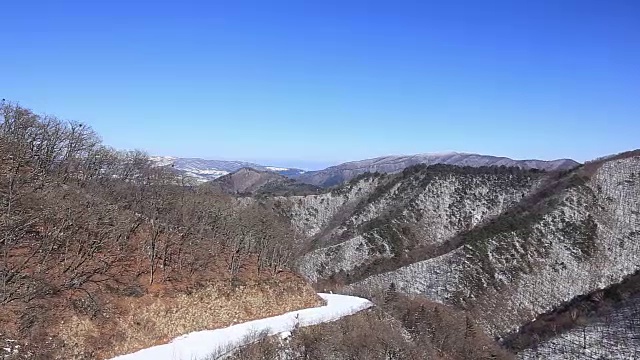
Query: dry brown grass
151	320
78	333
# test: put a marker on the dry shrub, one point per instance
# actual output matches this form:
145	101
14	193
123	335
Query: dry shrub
77	335
85	228
253	346
368	335
408	329
451	332
150	320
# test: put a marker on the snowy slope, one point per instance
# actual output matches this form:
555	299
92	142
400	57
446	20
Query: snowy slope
198	345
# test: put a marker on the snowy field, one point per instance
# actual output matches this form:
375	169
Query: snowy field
198	345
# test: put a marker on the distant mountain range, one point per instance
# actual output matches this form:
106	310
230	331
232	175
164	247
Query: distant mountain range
206	170
390	164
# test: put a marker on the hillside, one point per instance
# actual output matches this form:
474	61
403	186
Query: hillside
103	253
580	237
398	327
339	174
602	323
396	217
480	239
247	181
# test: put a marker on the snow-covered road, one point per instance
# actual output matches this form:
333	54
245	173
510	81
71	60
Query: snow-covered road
198	345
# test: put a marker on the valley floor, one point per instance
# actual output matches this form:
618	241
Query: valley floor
200	345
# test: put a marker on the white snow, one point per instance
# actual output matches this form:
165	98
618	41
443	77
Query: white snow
215	172
273	168
198	345
162	160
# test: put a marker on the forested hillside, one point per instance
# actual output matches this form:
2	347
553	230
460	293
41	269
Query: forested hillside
103	253
480	239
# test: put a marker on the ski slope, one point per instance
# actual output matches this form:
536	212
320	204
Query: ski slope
198	345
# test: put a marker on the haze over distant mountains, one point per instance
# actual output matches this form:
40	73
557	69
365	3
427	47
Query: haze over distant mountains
205	170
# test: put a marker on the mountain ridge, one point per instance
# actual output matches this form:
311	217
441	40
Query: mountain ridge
341	173
483	239
203	170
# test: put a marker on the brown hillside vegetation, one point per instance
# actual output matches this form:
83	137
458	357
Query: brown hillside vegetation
399	327
101	253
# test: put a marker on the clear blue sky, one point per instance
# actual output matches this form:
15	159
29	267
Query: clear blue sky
311	83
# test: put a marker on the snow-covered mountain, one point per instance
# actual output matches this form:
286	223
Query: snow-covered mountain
338	174
205	170
488	239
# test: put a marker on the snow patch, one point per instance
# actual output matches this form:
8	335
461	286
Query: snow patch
198	345
215	172
273	168
162	160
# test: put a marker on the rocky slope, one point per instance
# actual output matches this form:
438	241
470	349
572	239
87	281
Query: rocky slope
312	214
391	164
604	324
414	212
581	233
615	335
505	244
